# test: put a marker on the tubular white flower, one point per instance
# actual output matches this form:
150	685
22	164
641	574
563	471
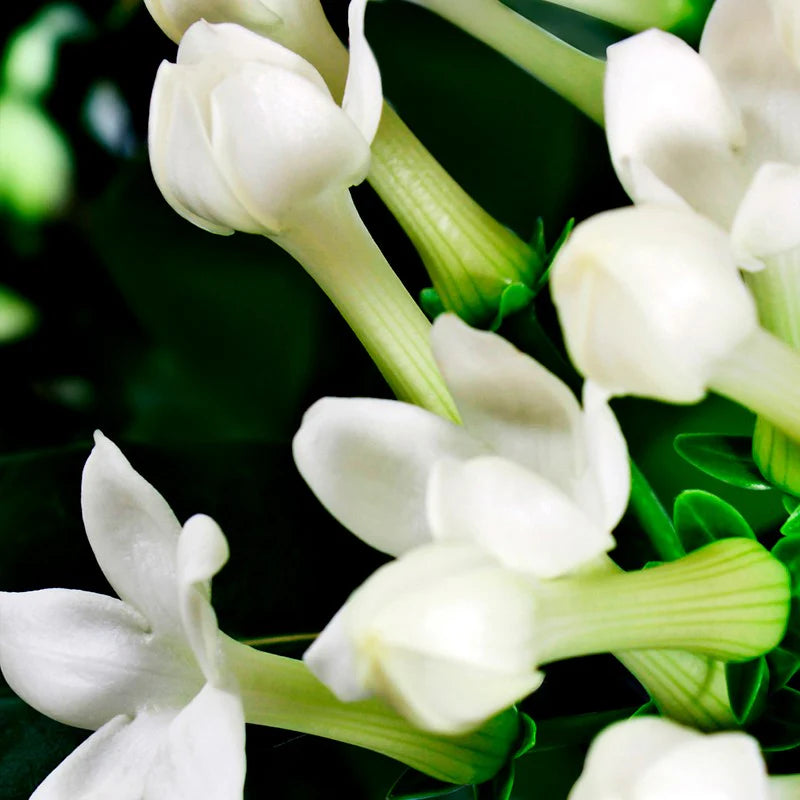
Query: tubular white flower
652	758
398	476
147	671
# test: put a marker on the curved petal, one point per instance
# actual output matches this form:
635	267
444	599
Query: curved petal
183	164
111	763
202	552
508	400
787	21
368	462
202	752
623	751
363	95
609	471
133	533
743	46
671	130
84	658
725	765
518	516
281	142
768	220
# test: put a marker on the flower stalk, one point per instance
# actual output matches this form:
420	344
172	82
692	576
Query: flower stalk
334	246
281	692
663	14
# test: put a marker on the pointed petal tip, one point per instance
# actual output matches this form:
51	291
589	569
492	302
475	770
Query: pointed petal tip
202	549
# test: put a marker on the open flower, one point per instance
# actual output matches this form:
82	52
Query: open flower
529	476
651	758
715	131
147	671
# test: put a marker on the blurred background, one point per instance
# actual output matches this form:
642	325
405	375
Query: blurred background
198	354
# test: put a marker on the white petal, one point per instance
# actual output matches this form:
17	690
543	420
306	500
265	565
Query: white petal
202	551
202	753
786	14
743	46
227	46
83	658
368	462
175	16
727	765
608	470
281	142
508	400
622	752
182	161
768	220
448	635
671	130
515	514
112	764
133	533
363	95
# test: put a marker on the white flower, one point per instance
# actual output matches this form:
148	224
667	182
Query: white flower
244	134
651	302
444	633
529	476
651	758
146	671
717	131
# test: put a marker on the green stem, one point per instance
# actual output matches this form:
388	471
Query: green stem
573	74
469	256
635	16
729	600
776	291
336	249
784	787
281	692
763	374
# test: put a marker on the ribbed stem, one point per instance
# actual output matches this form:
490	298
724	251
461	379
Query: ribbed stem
573	74
281	692
635	16
686	687
729	600
776	290
336	249
469	256
763	374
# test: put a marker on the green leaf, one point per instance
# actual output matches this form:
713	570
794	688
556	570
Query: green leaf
792	525
414	785
431	303
748	683
502	785
726	458
783	664
779	726
787	551
514	298
702	518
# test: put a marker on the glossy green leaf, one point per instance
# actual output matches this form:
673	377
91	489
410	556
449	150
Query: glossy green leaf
783	664
787	551
792	525
702	518
727	458
779	727
748	684
414	785
512	300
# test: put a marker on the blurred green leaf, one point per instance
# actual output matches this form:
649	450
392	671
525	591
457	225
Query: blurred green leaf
783	664
779	726
413	785
727	458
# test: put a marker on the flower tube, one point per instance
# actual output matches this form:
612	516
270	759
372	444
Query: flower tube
450	637
244	135
717	132
651	304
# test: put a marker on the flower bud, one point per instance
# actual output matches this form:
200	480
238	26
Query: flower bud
650	758
244	134
650	301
